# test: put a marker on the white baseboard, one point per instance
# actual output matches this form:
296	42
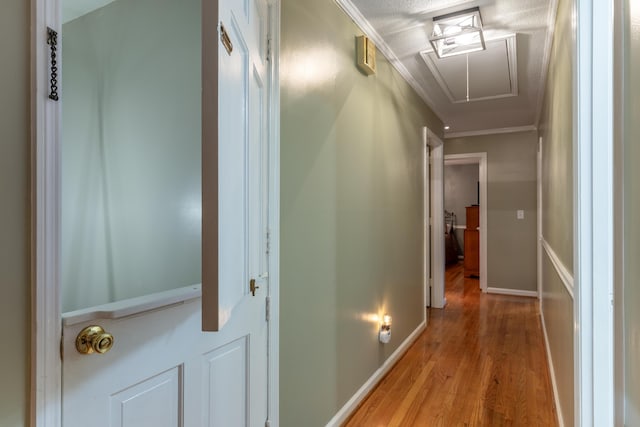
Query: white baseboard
552	372
353	403
515	292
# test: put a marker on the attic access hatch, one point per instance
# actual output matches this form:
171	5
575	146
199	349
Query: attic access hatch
493	73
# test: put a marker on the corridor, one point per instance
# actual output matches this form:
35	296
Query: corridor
480	362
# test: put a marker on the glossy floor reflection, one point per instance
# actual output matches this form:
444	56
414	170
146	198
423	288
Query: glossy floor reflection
480	362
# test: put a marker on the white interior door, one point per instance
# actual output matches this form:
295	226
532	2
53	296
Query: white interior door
131	214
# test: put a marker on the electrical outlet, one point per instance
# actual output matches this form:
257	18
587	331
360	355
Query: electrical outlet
520	214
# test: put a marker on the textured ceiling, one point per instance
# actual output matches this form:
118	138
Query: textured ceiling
404	27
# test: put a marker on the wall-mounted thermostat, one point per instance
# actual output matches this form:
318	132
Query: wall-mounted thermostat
366	53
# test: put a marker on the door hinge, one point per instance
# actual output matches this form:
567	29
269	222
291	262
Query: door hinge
267	308
267	423
61	347
268	242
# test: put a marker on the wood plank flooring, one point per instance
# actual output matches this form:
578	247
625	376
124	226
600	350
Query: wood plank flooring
480	362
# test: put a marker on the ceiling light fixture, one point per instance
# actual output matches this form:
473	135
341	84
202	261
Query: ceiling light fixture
457	33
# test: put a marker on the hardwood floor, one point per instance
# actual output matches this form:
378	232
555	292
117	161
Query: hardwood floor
480	362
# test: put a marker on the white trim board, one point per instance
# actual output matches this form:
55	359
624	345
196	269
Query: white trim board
561	269
593	173
552	372
514	292
46	365
539	219
426	228
352	404
273	351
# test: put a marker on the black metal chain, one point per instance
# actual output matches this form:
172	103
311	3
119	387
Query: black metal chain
52	40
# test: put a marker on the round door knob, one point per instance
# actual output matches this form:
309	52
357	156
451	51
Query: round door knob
94	339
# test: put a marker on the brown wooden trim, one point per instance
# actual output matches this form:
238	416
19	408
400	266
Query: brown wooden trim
210	294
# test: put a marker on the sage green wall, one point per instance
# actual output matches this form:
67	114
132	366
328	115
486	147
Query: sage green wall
15	213
631	213
351	212
557	308
557	205
511	186
556	130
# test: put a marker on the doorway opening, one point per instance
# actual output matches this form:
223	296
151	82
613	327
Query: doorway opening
461	211
465	165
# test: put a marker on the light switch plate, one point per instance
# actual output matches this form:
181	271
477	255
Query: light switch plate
520	214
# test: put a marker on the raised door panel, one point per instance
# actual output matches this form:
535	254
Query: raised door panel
225	376
155	401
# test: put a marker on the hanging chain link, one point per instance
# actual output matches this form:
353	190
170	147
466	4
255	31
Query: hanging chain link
52	40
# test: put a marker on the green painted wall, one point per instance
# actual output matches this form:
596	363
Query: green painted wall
557	205
557	306
556	130
351	211
15	327
511	186
631	212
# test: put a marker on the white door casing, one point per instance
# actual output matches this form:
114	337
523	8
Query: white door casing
481	160
594	192
427	219
162	368
438	299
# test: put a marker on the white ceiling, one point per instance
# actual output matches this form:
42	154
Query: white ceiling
401	30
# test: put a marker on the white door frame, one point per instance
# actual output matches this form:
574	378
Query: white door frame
426	258
273	374
46	366
479	159
593	206
539	220
438	299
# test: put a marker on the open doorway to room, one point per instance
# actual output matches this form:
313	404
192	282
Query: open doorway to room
461	208
465	216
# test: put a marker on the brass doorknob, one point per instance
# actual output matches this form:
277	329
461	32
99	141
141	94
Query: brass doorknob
94	339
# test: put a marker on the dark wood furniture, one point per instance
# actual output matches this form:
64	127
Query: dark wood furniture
472	242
